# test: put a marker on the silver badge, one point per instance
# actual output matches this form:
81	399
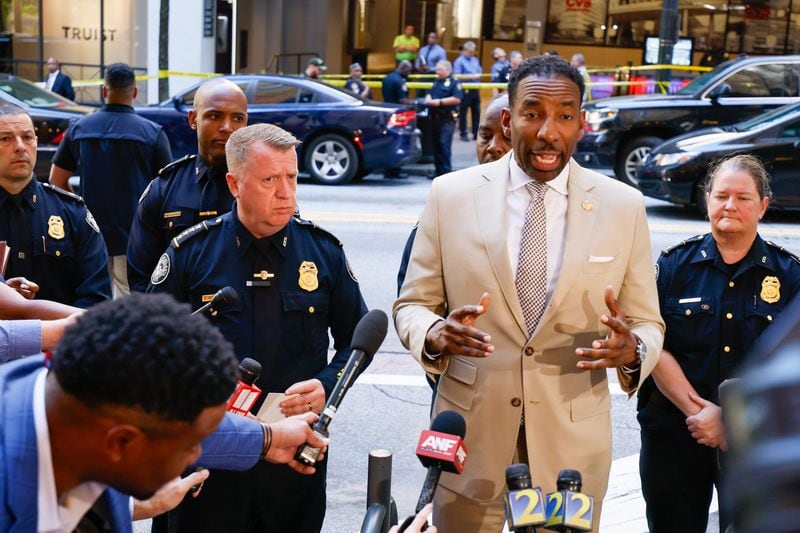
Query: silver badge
91	221
447	83
161	271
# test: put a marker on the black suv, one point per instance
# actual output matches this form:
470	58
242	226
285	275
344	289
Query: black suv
621	131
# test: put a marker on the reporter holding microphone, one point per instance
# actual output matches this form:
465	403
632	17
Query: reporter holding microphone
294	286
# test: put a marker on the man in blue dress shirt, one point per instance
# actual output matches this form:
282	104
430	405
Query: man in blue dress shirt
467	69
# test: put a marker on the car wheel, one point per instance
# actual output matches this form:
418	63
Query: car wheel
699	199
331	159
631	157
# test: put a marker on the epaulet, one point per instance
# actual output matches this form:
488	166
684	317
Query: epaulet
783	250
681	244
195	230
164	172
309	224
62	192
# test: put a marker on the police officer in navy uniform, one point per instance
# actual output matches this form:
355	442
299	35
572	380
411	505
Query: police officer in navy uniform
191	189
718	292
394	85
294	285
53	237
443	100
118	153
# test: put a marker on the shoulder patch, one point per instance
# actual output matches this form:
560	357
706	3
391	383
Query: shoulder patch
161	271
169	169
309	224
783	250
683	243
62	192
195	230
91	221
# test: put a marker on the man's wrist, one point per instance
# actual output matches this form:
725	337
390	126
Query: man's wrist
267	440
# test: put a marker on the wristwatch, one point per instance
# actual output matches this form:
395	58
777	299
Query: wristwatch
641	355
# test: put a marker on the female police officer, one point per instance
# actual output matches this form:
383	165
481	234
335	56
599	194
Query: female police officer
718	292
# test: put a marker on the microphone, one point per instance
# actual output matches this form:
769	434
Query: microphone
524	504
246	393
223	299
440	449
367	338
568	509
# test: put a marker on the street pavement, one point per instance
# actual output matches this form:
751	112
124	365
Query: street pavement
389	404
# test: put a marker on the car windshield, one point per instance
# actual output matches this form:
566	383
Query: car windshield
696	84
32	95
768	119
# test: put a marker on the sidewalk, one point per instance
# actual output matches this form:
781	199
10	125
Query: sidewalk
463	156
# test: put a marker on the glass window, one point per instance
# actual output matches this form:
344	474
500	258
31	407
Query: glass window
509	19
761	80
576	21
268	92
791	130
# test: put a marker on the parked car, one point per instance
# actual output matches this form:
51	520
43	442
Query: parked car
50	112
342	136
621	131
674	171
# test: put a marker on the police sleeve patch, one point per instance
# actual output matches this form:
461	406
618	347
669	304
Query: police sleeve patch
350	270
161	271
657	271
92	222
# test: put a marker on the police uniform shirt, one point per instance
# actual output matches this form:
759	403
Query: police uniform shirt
394	88
444	88
117	153
355	86
307	288
60	244
714	312
185	192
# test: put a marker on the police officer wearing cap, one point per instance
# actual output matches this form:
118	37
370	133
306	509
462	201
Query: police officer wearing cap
355	84
316	66
718	292
118	153
442	101
294	285
54	239
191	189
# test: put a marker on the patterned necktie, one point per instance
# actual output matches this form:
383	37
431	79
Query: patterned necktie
531	278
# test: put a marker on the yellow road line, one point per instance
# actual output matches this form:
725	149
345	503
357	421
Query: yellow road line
672	228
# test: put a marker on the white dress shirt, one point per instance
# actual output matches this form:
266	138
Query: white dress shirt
51	80
555	203
56	515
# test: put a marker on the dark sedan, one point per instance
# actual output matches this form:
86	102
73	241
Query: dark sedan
674	171
343	136
50	113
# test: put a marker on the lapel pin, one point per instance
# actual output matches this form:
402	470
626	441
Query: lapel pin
586	205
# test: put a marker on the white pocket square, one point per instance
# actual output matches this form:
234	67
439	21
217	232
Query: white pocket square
601	258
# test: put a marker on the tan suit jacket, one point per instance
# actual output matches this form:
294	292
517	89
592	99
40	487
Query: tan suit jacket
459	253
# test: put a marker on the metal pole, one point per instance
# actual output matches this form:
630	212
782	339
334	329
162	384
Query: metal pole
41	40
667	36
379	482
234	32
102	38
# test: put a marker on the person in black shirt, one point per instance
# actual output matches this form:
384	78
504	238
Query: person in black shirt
191	189
355	84
443	100
394	88
117	153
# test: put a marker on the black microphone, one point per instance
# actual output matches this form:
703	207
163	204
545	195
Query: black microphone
367	338
440	449
223	299
246	392
568	509
524	504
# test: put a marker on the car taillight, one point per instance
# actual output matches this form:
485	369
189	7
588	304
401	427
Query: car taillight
402	118
58	138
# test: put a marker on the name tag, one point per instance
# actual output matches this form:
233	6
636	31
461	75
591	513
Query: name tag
207	298
689	300
172	214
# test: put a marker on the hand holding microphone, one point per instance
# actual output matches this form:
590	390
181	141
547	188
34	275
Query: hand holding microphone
367	338
568	509
440	449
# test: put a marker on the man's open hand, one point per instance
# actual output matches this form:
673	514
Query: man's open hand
456	336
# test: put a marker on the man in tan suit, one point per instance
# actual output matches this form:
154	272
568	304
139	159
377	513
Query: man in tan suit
564	255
